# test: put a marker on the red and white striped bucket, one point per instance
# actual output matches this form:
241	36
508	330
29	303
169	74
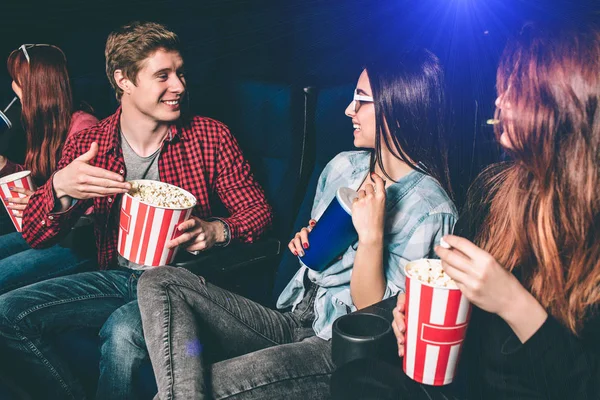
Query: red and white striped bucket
436	324
18	179
144	230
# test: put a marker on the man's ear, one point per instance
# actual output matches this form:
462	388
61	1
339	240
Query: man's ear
122	81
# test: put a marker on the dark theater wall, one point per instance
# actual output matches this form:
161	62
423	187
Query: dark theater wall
302	42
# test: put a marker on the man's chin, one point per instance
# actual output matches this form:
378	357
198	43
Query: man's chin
171	116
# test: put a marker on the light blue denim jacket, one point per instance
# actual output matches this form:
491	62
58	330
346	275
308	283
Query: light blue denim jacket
418	214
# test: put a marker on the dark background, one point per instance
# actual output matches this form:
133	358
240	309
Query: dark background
311	42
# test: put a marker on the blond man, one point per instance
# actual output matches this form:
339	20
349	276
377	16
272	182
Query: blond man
146	138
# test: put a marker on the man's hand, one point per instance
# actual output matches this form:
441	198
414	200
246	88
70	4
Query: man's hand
198	234
80	180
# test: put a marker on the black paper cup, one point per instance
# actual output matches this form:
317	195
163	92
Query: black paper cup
362	335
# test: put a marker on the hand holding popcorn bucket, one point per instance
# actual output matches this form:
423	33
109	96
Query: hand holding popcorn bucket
18	179
437	314
150	215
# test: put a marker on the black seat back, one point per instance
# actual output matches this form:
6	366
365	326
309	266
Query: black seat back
268	120
332	135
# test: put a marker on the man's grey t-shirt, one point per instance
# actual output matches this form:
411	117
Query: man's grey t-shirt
138	168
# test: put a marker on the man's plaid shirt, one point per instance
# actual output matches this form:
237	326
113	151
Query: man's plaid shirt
199	155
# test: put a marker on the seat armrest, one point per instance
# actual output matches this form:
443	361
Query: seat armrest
383	308
225	260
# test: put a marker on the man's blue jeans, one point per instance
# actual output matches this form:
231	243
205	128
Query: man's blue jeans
32	315
20	265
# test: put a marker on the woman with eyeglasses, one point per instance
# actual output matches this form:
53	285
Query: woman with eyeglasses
206	342
41	82
532	270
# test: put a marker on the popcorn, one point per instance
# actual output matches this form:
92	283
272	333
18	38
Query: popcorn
431	272
160	194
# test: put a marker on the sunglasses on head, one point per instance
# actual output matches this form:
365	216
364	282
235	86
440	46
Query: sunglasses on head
25	47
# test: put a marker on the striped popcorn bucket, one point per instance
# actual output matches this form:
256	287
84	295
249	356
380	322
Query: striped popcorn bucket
436	324
18	179
145	230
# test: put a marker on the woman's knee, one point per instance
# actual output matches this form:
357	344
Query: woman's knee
159	277
157	280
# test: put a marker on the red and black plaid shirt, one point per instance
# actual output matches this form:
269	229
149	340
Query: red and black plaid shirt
200	156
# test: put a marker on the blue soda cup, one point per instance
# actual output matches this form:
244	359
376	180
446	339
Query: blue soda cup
333	233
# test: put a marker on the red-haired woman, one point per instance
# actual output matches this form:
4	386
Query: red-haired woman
533	269
41	82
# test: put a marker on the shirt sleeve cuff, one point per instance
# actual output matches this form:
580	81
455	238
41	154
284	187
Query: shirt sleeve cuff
546	338
391	290
540	343
50	203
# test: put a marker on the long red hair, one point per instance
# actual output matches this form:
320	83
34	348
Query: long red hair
545	209
47	105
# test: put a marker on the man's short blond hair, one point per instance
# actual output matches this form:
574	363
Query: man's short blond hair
128	46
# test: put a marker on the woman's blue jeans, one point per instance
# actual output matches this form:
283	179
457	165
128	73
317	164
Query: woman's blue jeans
20	265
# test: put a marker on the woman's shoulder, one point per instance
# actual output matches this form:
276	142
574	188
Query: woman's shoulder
10	168
351	159
345	167
418	201
81	120
429	195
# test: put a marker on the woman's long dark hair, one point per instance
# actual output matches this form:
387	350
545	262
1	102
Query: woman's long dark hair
47	105
408	89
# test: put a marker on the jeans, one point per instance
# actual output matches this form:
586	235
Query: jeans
32	315
206	342
20	265
123	350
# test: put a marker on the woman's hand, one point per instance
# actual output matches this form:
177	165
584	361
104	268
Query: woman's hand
368	212
490	287
478	275
300	241
398	324
18	204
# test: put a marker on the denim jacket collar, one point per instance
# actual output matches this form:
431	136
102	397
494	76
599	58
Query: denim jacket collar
394	192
